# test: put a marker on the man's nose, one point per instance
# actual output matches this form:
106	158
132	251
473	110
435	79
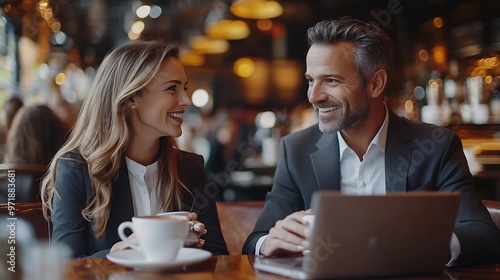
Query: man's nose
315	94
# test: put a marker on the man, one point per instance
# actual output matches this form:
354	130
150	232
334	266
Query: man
362	148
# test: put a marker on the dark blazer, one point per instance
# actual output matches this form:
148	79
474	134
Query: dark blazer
418	157
73	186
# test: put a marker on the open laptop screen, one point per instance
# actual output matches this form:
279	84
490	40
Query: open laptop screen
366	236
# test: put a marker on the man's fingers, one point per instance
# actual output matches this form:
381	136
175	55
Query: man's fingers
287	246
292	224
286	236
273	246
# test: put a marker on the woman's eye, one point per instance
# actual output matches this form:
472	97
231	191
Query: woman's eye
172	88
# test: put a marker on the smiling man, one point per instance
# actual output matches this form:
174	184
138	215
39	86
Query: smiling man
359	147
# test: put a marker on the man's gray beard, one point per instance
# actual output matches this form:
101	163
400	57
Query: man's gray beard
327	127
346	121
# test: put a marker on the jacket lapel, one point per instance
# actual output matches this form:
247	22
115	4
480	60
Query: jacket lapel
121	204
397	155
325	162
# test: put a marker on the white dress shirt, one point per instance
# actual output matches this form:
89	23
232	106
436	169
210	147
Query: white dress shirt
143	185
366	176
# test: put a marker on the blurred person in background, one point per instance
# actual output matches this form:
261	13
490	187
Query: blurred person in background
230	142
223	139
10	108
121	159
35	136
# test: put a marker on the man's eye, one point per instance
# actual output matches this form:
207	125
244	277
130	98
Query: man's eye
332	81
310	82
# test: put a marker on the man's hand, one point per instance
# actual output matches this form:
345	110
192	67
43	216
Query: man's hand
287	236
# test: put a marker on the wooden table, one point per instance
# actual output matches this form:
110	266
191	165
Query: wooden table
235	267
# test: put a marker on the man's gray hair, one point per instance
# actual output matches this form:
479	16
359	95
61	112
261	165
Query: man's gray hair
373	46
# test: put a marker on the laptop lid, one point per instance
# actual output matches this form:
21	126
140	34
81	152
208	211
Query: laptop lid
367	236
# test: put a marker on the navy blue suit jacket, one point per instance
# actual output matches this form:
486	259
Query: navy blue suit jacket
73	186
418	157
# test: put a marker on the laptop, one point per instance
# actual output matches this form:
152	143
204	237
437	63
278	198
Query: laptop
372	236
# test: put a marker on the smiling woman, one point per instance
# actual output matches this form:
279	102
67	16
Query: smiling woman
121	159
157	110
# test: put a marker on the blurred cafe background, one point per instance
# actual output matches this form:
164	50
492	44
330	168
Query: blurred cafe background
245	64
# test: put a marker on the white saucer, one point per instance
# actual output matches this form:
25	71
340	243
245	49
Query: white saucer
137	260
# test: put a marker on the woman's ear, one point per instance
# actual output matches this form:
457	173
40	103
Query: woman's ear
131	104
376	85
132	101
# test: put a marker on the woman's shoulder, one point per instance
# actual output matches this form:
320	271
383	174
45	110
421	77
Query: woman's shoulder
190	157
73	156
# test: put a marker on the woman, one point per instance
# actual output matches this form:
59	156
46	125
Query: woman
121	159
35	136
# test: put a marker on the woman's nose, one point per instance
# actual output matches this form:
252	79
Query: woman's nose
185	100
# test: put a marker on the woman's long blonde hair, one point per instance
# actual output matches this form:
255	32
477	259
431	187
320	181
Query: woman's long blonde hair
101	132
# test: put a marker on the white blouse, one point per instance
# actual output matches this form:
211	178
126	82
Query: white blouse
144	186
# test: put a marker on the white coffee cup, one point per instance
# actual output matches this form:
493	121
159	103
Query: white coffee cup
192	237
308	220
160	238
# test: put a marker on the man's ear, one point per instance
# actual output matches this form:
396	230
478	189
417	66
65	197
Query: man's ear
376	85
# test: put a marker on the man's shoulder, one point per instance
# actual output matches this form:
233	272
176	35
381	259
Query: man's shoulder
417	128
310	133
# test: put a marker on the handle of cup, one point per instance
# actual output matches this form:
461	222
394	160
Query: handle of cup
123	237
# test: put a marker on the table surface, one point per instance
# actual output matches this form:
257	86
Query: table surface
235	267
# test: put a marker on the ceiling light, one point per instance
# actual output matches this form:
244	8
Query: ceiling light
256	9
228	29
155	11
133	36
190	58
243	67
143	11
137	27
200	98
204	44
264	24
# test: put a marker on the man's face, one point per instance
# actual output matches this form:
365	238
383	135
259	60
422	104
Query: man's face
335	90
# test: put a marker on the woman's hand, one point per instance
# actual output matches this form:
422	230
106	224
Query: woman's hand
197	230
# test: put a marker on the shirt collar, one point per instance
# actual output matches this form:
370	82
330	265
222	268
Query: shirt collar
379	140
139	169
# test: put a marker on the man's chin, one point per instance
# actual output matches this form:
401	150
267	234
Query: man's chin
327	127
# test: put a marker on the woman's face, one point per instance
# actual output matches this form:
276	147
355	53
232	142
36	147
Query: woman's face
159	109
